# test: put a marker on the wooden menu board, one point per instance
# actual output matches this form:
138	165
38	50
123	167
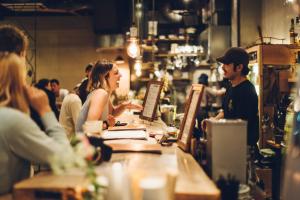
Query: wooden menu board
151	100
188	122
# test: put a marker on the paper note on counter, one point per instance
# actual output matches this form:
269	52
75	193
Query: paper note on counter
133	134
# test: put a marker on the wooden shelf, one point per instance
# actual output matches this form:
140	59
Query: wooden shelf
143	79
181	79
172	40
177	54
167	40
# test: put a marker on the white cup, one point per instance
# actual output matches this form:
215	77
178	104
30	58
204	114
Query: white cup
153	188
93	127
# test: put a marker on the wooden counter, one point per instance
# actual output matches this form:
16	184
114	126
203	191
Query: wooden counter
192	182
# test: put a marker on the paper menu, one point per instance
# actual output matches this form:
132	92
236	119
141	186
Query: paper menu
151	100
132	134
190	116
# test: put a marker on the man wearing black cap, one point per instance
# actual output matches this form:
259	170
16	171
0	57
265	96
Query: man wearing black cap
240	101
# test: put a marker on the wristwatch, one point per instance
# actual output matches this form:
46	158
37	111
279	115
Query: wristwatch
106	125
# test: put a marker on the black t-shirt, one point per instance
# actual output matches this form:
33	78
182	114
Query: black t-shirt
241	102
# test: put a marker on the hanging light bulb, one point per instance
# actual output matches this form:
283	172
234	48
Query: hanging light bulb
138	73
133	49
138	65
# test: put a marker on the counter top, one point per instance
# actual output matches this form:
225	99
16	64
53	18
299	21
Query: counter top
192	182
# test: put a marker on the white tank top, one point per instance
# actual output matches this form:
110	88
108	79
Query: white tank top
84	112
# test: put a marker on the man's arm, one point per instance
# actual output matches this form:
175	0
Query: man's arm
220	115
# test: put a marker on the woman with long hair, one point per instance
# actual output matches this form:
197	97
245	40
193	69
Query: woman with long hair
21	140
104	80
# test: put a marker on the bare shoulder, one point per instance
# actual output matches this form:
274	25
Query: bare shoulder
100	93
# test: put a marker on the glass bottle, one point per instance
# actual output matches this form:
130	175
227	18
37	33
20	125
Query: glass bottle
292	32
297	30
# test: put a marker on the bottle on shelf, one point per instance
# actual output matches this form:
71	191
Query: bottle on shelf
297	30
292	32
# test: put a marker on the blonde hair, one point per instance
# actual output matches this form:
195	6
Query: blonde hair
12	82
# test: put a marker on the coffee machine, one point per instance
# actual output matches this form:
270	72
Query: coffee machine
226	149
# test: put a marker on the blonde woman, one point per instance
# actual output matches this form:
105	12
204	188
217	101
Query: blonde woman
105	79
21	140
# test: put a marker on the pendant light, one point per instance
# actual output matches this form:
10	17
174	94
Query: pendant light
133	48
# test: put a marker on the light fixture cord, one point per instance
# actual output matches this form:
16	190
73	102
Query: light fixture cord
133	12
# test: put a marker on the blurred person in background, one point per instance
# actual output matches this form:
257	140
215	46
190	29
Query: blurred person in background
59	92
83	86
208	94
44	84
69	112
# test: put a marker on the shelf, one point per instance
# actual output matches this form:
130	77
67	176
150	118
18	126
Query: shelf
143	79
177	54
166	40
181	79
172	40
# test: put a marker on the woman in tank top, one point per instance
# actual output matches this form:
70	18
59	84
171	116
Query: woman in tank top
104	80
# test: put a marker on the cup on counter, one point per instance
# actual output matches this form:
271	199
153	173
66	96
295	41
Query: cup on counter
93	127
172	131
153	188
168	113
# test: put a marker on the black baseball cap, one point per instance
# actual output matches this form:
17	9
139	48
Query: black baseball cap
235	55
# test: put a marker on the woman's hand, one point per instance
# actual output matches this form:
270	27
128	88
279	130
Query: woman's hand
38	100
111	120
129	105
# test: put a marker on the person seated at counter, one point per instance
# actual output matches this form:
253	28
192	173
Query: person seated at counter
240	101
105	79
208	93
83	85
21	140
70	109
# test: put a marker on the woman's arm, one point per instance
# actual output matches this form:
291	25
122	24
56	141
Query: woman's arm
117	110
30	143
99	99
